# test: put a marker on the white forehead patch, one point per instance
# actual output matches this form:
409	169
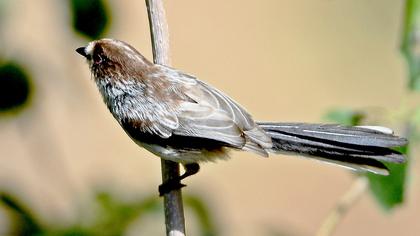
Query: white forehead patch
89	48
118	44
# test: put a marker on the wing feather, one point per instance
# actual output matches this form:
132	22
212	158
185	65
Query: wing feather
190	107
206	122
203	93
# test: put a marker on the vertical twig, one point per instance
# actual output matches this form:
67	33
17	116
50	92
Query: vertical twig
355	192
172	201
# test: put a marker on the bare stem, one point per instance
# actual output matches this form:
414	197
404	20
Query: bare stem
354	193
172	201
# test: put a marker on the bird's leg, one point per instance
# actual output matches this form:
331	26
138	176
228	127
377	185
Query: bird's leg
172	184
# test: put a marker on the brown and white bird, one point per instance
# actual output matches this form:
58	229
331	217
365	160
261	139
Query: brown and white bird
180	118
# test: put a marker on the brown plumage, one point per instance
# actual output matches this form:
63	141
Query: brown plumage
182	119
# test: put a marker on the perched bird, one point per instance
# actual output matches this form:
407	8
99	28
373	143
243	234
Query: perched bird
182	119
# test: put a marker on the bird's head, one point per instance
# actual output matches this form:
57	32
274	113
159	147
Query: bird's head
111	58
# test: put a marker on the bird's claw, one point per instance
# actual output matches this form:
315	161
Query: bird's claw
166	187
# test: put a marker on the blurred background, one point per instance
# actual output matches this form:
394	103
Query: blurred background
67	168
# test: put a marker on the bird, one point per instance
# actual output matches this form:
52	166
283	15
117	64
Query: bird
182	119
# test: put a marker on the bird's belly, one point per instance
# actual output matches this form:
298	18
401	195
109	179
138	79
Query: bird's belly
183	149
186	156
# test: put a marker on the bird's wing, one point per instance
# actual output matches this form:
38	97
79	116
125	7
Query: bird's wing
210	113
203	111
166	110
153	118
206	95
204	121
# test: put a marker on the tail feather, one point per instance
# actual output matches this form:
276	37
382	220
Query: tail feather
358	148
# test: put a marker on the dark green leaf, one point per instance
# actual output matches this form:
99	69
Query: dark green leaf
90	17
15	87
389	190
24	222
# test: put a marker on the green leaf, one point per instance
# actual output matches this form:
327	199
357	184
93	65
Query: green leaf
90	17
15	87
410	42
414	120
389	190
115	216
202	213
344	116
24	222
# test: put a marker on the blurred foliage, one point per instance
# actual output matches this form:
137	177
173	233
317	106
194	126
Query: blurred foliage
23	221
345	116
415	125
207	224
387	190
113	217
90	17
410	43
15	87
3	10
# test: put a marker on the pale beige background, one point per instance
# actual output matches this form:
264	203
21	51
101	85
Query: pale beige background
283	60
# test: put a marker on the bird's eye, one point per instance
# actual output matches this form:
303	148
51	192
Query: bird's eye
98	59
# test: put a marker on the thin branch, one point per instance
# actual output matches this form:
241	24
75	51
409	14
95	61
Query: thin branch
172	201
158	31
354	193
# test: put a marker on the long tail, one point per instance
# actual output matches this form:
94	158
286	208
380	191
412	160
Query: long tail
360	148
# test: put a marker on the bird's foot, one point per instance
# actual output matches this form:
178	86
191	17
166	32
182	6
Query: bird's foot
174	184
168	186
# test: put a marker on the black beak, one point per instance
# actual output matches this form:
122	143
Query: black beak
81	51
